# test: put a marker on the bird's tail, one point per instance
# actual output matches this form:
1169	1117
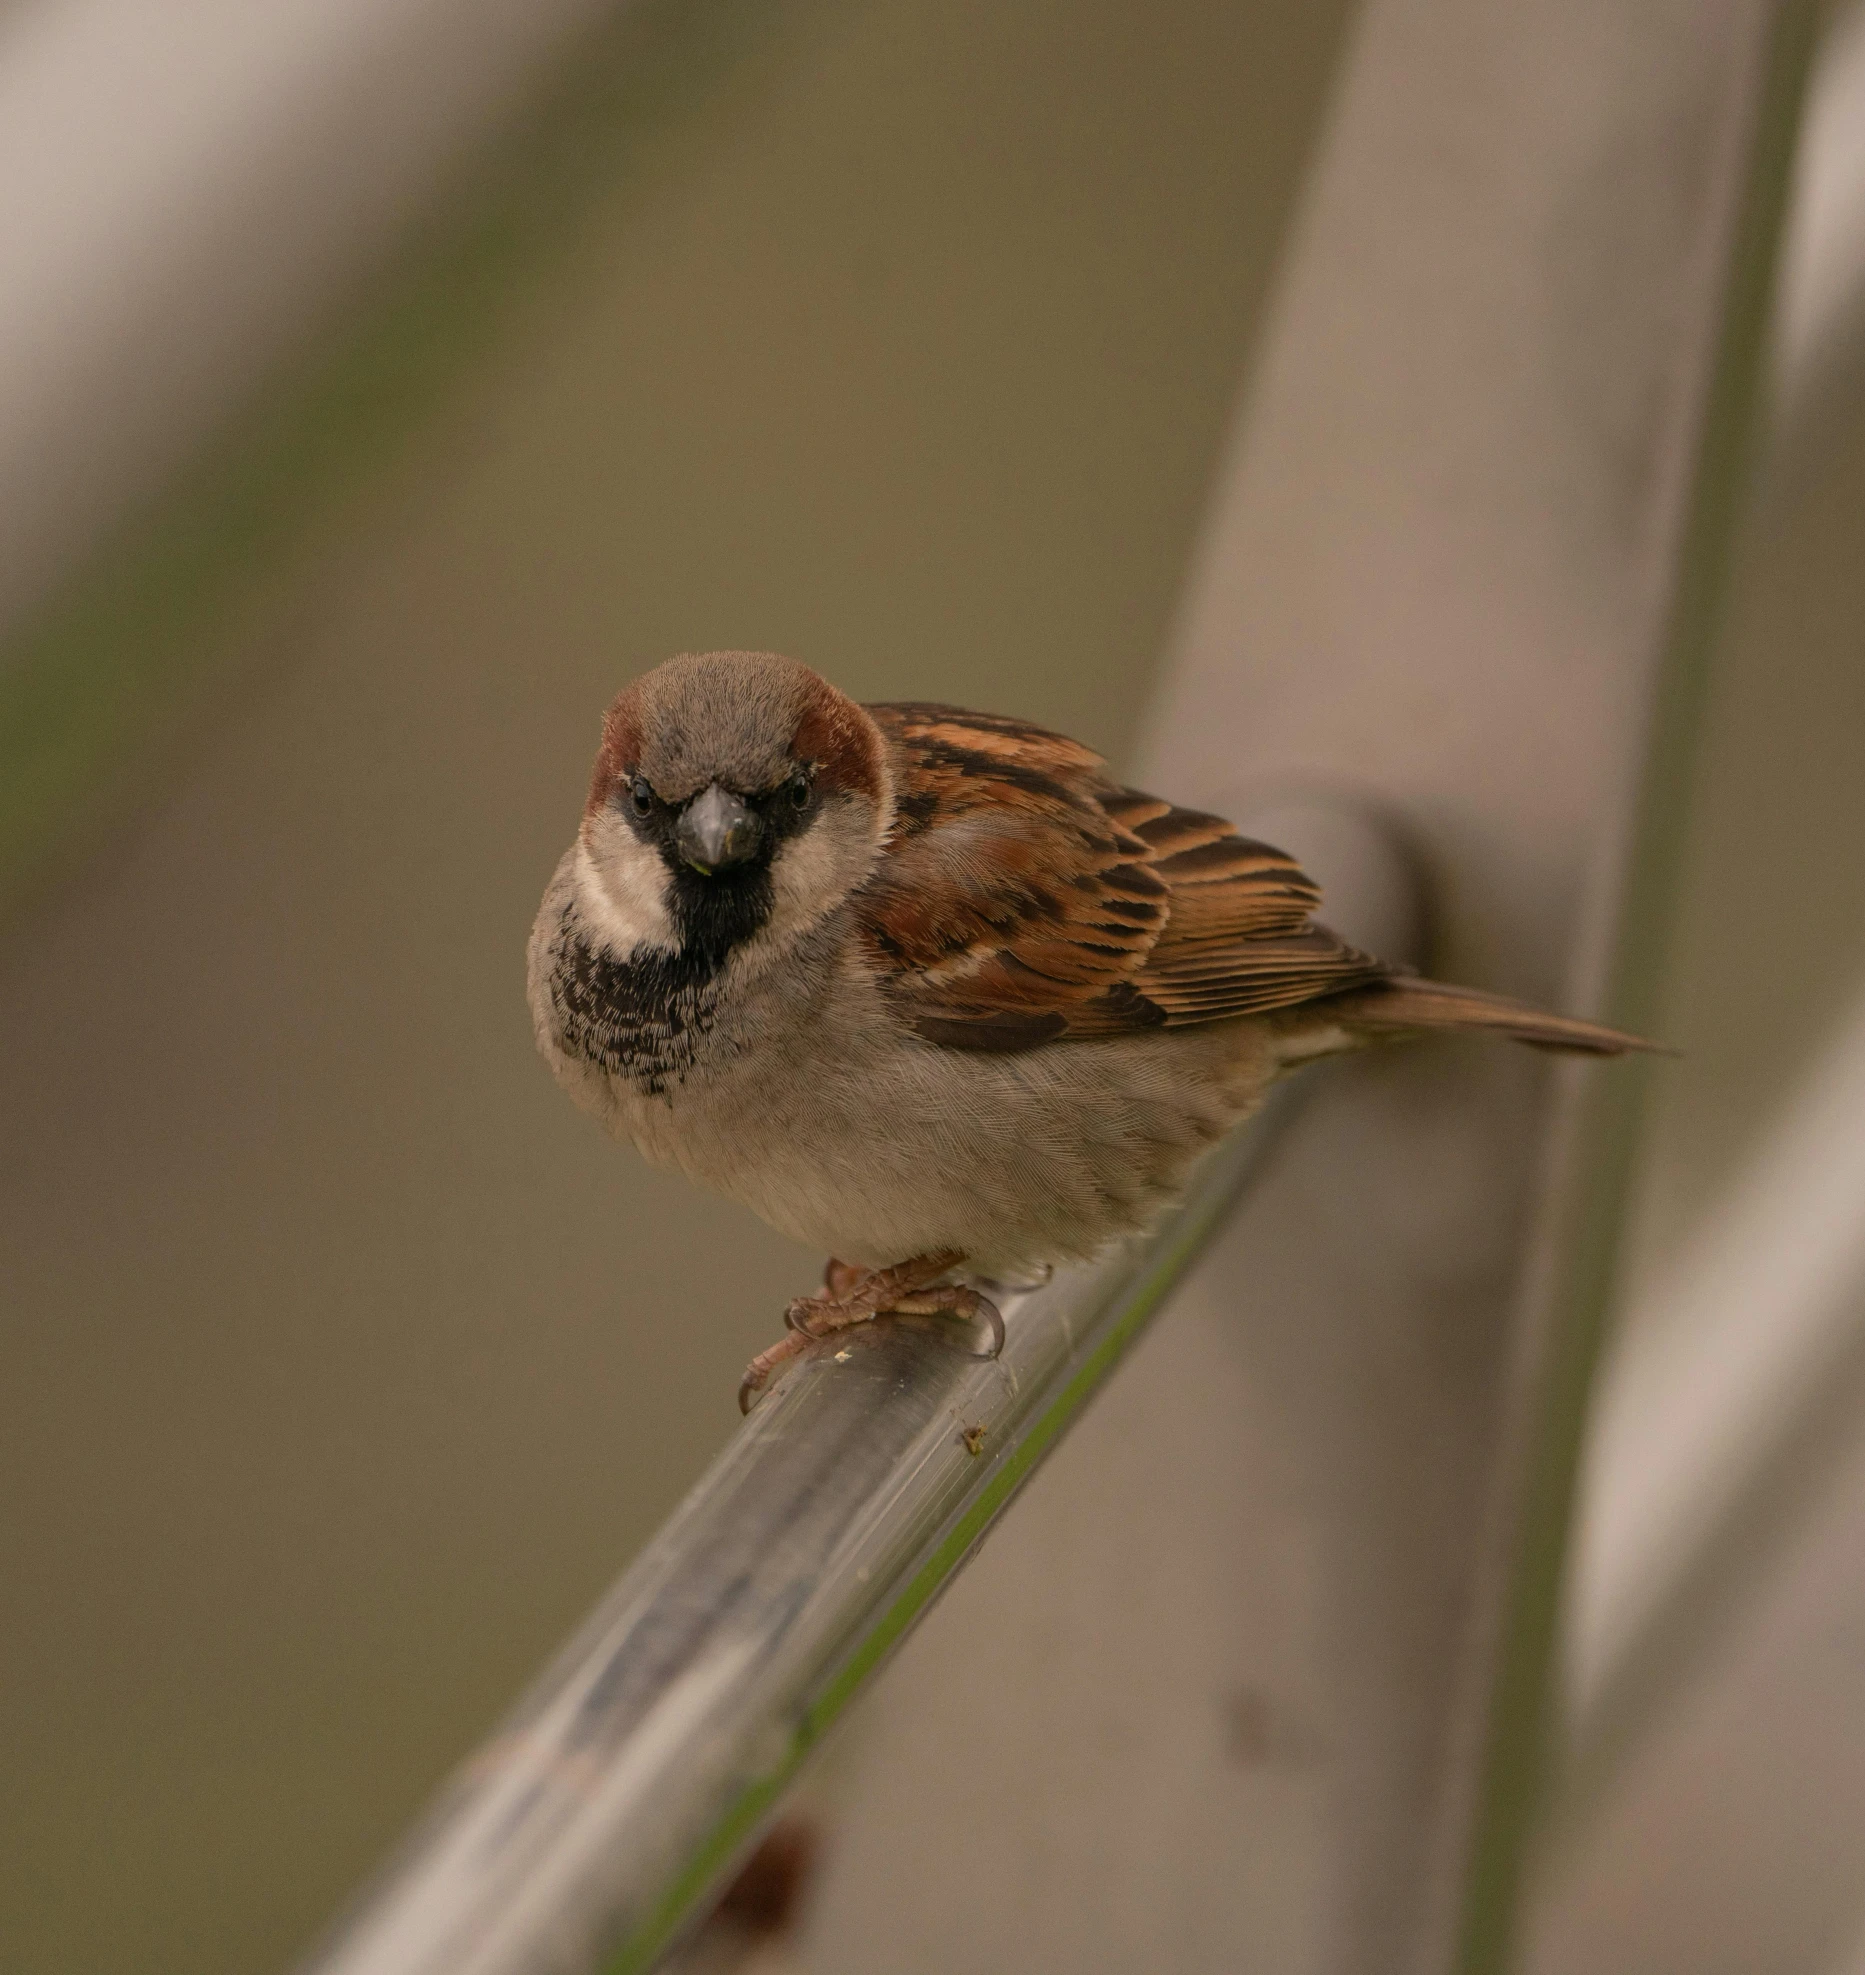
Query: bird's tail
1404	1002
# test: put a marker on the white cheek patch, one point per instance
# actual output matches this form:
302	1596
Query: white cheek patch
813	873
622	887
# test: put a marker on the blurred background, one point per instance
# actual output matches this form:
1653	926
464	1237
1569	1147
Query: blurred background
381	386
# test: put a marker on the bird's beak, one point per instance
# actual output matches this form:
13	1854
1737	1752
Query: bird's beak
717	831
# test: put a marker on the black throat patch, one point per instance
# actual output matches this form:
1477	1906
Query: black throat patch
645	1018
714	916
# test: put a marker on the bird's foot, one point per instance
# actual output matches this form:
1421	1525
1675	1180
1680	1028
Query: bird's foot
908	1289
858	1296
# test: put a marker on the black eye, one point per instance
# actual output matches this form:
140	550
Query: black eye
800	790
641	796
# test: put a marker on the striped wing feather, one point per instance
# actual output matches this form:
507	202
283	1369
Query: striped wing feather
1026	898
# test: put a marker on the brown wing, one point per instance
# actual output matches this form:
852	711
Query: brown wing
1025	898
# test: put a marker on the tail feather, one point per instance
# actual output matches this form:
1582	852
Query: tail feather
1406	1002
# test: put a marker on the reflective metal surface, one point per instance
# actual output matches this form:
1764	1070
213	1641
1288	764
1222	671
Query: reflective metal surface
623	1790
1463	561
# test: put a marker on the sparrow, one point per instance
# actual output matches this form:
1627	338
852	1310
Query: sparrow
930	989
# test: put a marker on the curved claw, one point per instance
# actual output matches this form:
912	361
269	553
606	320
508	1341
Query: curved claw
956	1300
993	1316
798	1313
758	1372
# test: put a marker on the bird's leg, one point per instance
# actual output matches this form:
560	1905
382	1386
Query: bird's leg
841	1277
858	1296
758	1373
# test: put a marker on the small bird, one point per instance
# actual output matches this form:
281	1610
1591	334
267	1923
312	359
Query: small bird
929	989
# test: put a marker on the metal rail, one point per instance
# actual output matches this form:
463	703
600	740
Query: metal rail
599	1821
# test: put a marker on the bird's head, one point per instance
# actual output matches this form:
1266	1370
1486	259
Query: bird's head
737	797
